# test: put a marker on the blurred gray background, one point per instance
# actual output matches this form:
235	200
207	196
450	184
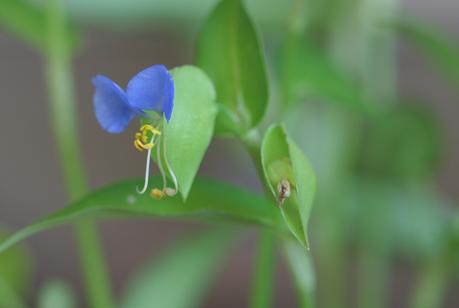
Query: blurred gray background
31	184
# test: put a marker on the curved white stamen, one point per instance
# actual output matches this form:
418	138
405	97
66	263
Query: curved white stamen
171	172
147	174
160	163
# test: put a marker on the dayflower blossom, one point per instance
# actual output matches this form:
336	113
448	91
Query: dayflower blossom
151	90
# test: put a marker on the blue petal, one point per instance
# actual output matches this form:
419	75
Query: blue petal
111	106
152	89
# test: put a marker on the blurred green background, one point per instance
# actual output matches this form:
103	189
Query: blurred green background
351	81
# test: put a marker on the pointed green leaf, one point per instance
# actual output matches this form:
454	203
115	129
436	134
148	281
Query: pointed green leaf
209	200
282	160
181	275
442	51
189	132
57	294
229	51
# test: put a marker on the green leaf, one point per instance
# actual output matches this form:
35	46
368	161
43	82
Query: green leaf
134	15
56	294
24	20
30	23
441	50
191	127
209	200
181	275
301	268
306	72
229	51
283	161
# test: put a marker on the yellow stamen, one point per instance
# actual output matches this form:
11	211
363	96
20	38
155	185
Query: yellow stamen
138	145
142	139
145	140
156	193
148	127
143	146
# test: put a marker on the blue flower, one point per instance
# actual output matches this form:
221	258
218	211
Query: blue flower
150	90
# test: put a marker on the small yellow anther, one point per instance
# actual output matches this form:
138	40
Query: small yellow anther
143	146
156	193
142	140
148	127
138	145
144	137
148	146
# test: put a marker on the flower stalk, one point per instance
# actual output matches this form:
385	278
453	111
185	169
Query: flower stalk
64	126
262	284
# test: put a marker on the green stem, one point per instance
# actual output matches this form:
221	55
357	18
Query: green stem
252	142
431	285
379	76
373	275
330	257
264	271
301	268
64	125
8	297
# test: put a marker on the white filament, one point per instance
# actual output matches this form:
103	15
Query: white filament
171	172
160	164
147	174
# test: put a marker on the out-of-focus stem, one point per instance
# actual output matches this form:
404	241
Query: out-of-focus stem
261	295
379	75
373	276
64	126
330	259
435	274
262	286
8	297
431	285
301	268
